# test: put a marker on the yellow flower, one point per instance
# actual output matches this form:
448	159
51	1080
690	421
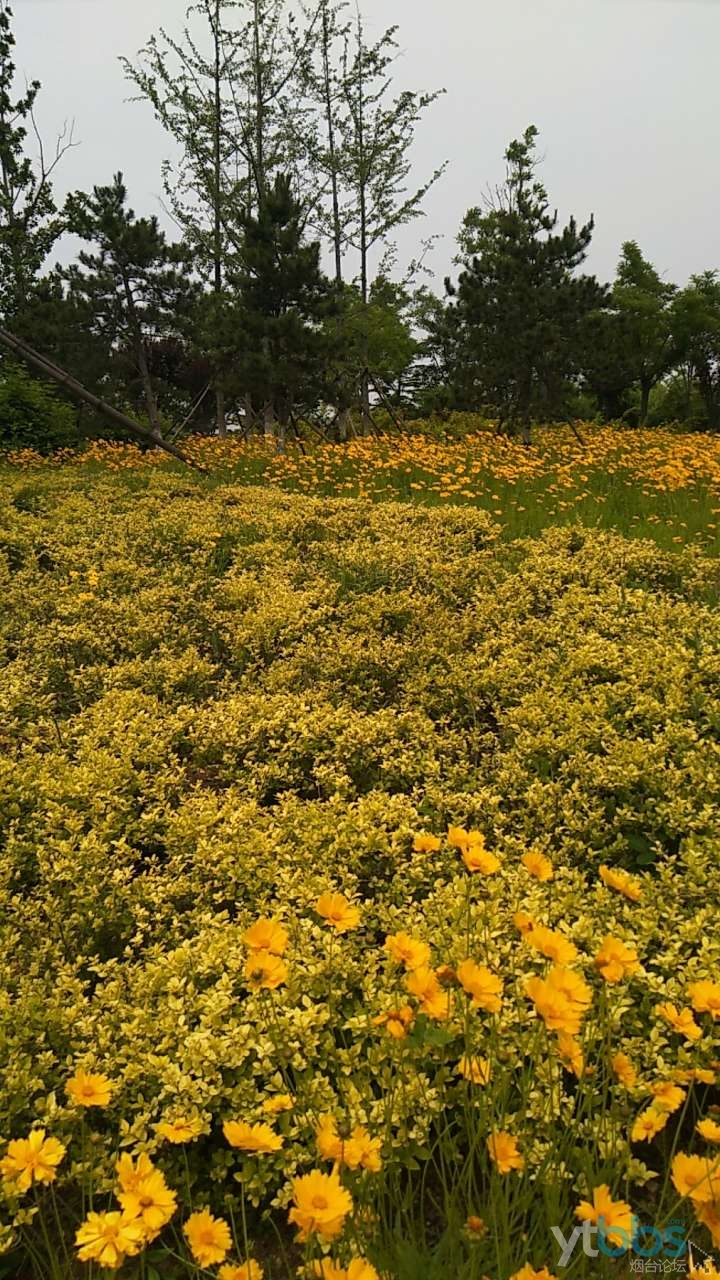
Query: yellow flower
667	1097
249	1270
524	923
209	1238
698	1075
423	984
476	1070
538	865
616	1214
329	1142
179	1131
396	1022
406	950
648	1124
131	1174
624	1070
266	935
503	1150
280	1102
705	997
708	1214
425	843
32	1159
482	985
252	1137
571	1054
709	1130
264	971
150	1201
681	1020
459	838
337	911
321	1205
551	944
360	1150
87	1090
615	960
477	858
109	1238
528	1273
696	1177
359	1269
622	883
561	999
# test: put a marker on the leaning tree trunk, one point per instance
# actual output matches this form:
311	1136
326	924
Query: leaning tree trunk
79	392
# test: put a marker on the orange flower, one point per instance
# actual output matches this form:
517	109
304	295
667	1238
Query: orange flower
561	999
616	1215
252	1137
321	1205
615	960
208	1237
109	1238
32	1159
265	971
266	935
624	1070
538	865
554	945
476	1070
423	984
477	858
709	1130
648	1124
87	1090
396	1022
705	997
681	1020
571	1054
425	843
406	950
503	1150
622	883
337	911
696	1177
179	1131
523	922
482	985
667	1097
528	1273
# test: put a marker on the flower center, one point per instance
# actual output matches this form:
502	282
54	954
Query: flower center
319	1202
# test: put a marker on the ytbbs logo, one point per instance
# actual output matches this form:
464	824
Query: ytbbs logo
645	1241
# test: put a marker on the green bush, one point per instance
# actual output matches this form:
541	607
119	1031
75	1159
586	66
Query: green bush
31	415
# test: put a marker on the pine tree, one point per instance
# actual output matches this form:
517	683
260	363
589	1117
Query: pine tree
280	299
130	290
518	302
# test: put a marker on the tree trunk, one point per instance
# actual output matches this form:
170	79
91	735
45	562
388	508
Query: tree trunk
49	370
269	420
332	152
645	389
220	424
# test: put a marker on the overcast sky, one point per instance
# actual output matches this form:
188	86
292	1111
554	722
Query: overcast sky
626	94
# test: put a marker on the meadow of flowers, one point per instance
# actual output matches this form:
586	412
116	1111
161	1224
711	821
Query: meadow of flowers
358	886
656	483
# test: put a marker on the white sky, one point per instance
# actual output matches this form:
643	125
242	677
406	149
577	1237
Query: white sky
626	94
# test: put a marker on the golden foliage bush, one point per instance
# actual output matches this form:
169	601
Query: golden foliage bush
216	707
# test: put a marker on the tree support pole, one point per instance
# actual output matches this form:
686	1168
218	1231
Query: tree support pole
76	389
